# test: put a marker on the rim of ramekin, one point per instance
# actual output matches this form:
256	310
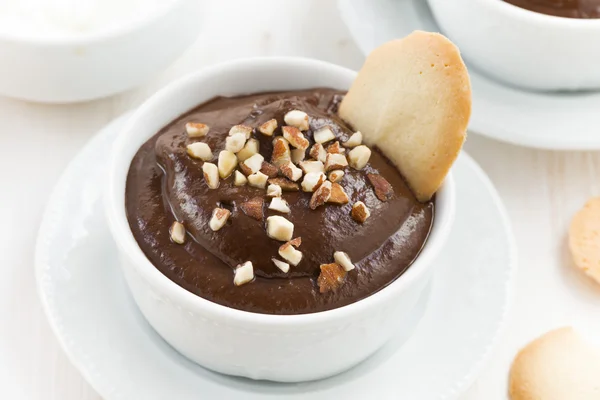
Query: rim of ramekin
123	236
523	14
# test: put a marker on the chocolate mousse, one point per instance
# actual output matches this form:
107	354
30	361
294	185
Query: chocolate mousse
270	203
561	8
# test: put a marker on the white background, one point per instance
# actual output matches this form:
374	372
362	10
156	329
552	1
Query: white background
541	190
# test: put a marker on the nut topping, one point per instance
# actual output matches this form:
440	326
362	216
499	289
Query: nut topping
290	254
297	118
281	151
177	232
279	228
312	166
244	273
283	266
211	175
246	130
285	184
268	169
273	190
298	155
290	171
338	195
295	137
250	149
321	195
258	180
336	176
253	164
318	152
312	181
219	218
227	163
360	212
335	161
268	127
278	204
335	148
383	189
324	134
239	179
296	242
253	208
196	129
359	156
235	142
331	278
200	151
354	140
343	259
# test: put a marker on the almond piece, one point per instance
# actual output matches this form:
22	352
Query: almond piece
321	195
239	179
281	151
296	242
338	195
290	254
312	181
177	232
268	127
298	155
343	259
199	151
354	140
312	166
235	142
244	273
336	176
211	175
285	184
279	228
196	129
278	204
383	189
253	208
219	218
335	161
359	156
331	278
246	130
318	152
360	212
250	149
253	164
227	163
283	266
297	118
335	148
258	180
324	134
274	190
269	169
290	171
295	137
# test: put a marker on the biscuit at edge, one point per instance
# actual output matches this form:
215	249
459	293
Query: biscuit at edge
584	239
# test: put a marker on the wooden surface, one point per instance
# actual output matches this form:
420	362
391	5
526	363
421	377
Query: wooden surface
541	190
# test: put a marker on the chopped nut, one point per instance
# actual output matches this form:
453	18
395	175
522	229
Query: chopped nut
331	277
253	208
274	190
239	179
298	155
252	164
359	156
336	176
244	273
258	180
268	169
297	118
312	166
354	140
177	232
338	195
321	195
343	259
246	130
285	267
281	151
268	127
290	254
211	175
219	218
195	129
360	212
285	184
250	149
279	228
227	163
383	189
200	151
335	161
235	142
335	148
295	137
324	134
312	181
290	171
318	152
296	242
278	204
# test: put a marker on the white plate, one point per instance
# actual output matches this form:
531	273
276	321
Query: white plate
560	121
107	339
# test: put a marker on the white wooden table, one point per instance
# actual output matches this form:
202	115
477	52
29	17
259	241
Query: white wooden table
541	190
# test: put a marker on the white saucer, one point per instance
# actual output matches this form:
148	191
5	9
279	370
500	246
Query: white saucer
108	340
560	121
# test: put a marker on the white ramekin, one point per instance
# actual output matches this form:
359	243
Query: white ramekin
90	66
280	348
521	47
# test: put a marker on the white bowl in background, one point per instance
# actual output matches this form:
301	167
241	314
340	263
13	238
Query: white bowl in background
287	348
521	47
94	65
